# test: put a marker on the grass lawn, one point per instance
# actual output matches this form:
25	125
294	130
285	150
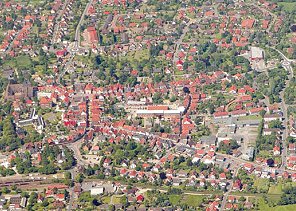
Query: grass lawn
9	63
23	61
262	184
250	117
193	200
264	207
264	154
275	189
116	199
179	72
52	117
29	128
219	36
190	200
291	207
106	199
288	6
175	199
139	55
278	188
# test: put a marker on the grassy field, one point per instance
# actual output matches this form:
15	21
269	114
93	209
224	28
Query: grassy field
264	207
250	117
52	117
116	200
288	6
106	199
193	200
139	55
175	199
276	189
23	62
280	186
261	184
190	200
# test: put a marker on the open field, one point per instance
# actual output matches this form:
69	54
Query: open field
138	55
250	117
280	186
175	199
193	200
261	184
264	207
190	200
288	6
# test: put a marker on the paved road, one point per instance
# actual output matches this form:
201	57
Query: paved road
284	106
225	196
77	32
65	68
73	195
179	42
283	56
57	25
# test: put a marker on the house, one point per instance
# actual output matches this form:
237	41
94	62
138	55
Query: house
248	167
269	131
238	113
182	174
2	202
176	182
77	188
15	202
107	162
222	176
276	150
140	198
292	147
23	203
237	185
272	117
58	204
247	23
59	196
220	115
92	35
256	53
249	154
132	174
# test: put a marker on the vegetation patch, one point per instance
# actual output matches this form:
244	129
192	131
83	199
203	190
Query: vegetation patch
288	6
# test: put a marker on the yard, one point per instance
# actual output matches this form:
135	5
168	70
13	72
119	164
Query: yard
115	199
193	200
23	62
288	6
106	199
190	200
53	118
262	184
139	55
250	117
278	188
175	199
264	207
275	189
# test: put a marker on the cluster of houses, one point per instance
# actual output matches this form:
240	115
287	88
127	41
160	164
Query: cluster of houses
267	172
127	27
62	28
16	202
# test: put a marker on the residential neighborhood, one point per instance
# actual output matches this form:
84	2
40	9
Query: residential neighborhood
148	105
